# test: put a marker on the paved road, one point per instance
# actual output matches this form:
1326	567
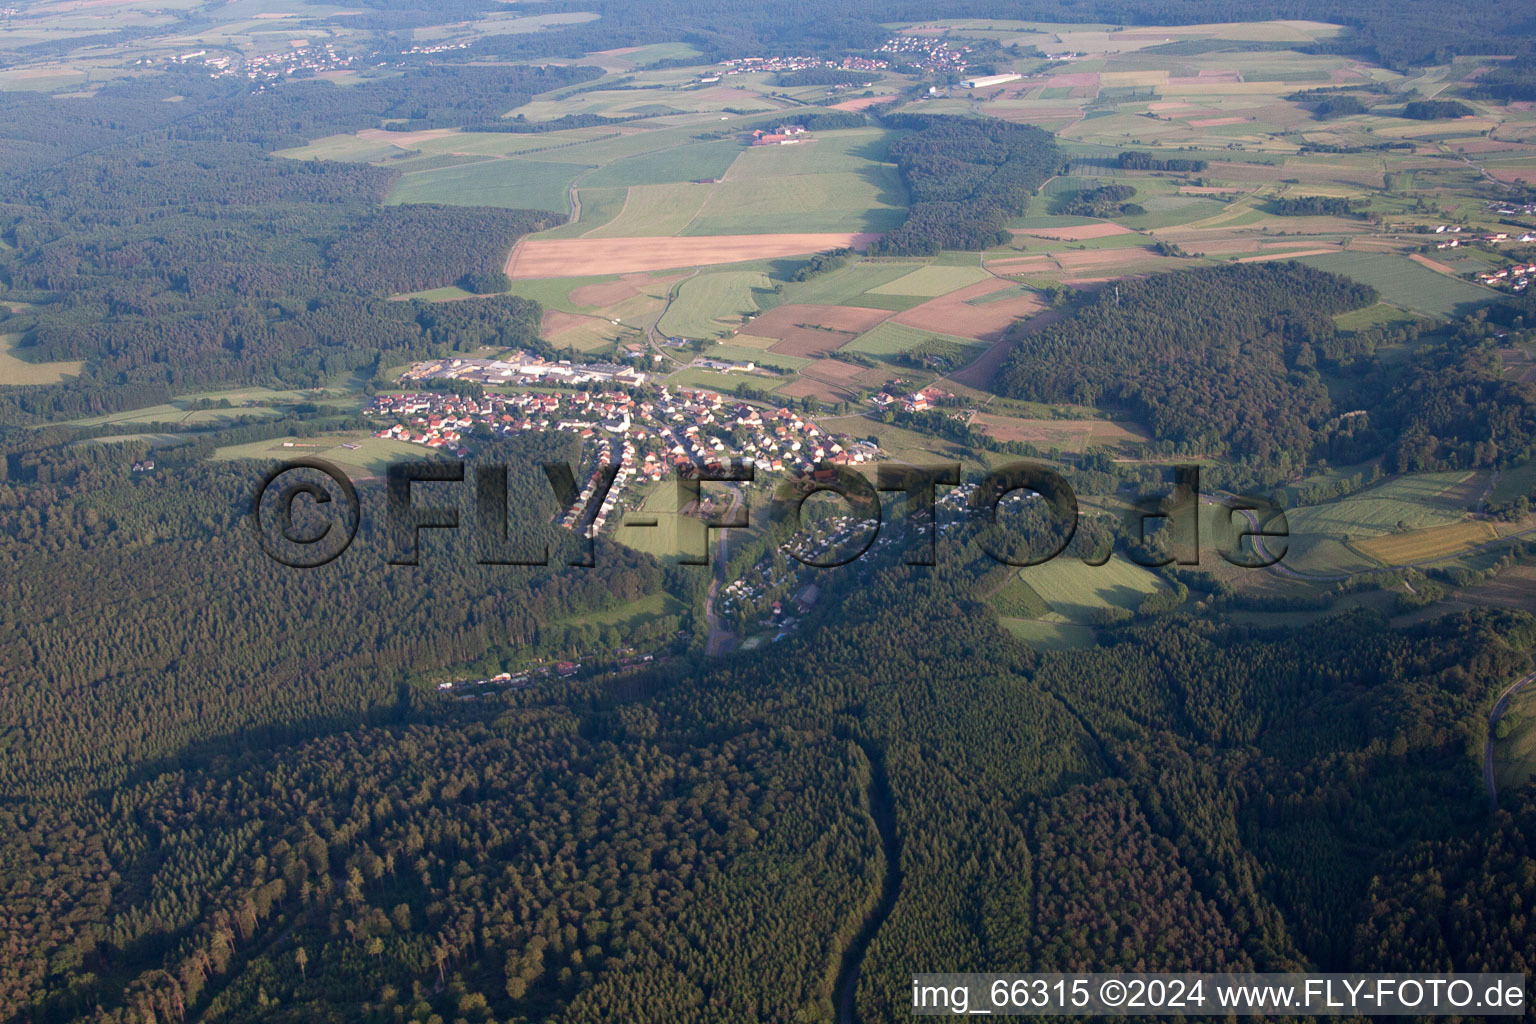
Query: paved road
1500	706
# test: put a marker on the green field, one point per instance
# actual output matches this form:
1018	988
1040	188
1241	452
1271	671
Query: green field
1075	590
674	533
1419	501
599	206
509	183
1371	316
849	151
369	459
653	210
889	339
684	163
1515	481
845	286
710	305
1514	750
932	281
180	410
633	614
15	370
870	200
724	383
1404	283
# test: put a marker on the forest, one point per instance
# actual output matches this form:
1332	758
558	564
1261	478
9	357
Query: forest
1213	360
260	271
198	822
967	178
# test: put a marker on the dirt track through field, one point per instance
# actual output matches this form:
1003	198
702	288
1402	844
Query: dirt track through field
588	257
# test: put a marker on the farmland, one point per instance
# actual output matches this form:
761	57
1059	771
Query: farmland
1404	283
1075	591
1419	546
15	370
713	304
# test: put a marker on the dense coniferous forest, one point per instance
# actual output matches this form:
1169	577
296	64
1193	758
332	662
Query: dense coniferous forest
1215	360
1141	160
1434	110
202	821
967	178
1314	206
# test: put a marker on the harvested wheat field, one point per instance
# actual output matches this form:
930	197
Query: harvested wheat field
1077	234
1058	433
1022	265
831	371
862	103
982	372
952	314
1434	265
1287	255
1217	122
609	293
586	257
1437	542
811	331
556	322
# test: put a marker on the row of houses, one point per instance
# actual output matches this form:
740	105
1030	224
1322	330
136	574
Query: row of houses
749	65
1515	277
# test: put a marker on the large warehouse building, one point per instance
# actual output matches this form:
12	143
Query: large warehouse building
984	82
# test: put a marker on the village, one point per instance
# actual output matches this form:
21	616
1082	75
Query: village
649	432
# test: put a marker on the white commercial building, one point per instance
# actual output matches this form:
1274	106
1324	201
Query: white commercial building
989	80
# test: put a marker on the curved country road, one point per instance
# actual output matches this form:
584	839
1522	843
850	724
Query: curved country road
1500	706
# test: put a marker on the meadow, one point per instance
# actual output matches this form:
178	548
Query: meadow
509	183
15	371
1075	591
358	454
1404	283
674	533
710	305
